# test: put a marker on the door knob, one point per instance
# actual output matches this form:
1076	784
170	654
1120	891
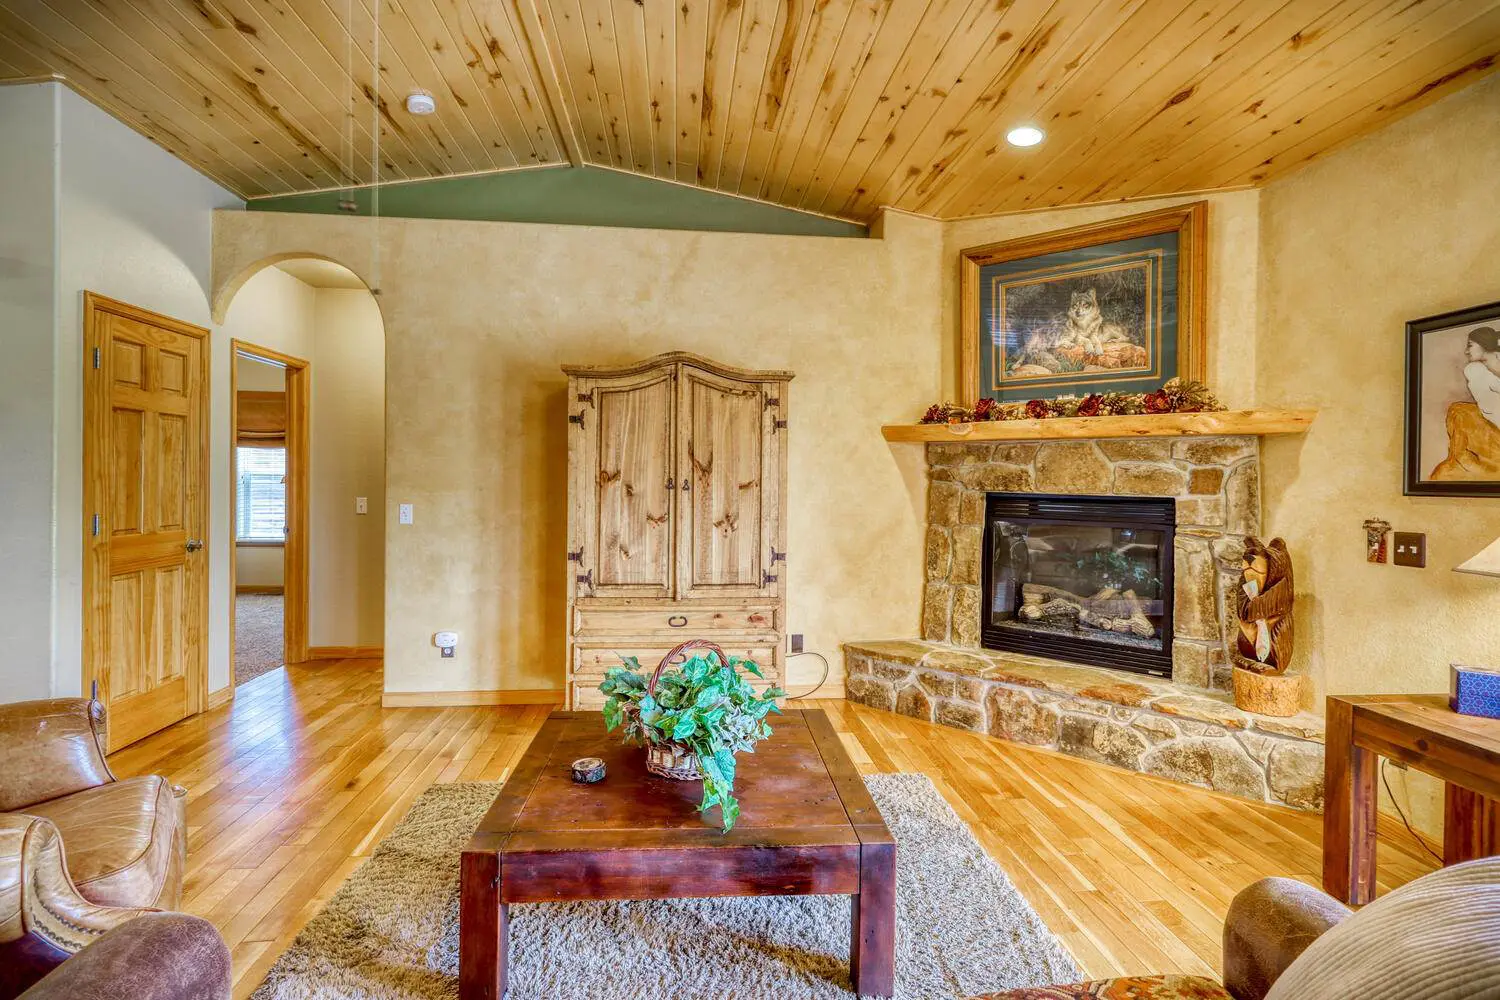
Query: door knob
194	544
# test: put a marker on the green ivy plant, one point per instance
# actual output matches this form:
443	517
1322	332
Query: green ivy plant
705	705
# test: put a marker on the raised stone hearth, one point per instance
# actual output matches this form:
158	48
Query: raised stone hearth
1140	723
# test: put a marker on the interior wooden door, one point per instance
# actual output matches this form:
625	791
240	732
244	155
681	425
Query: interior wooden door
145	495
729	460
623	480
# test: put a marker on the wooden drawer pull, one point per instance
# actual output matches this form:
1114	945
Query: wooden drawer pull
677	621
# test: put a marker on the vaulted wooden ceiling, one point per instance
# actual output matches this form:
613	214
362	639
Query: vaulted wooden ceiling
834	106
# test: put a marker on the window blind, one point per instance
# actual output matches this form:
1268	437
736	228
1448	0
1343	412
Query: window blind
260	495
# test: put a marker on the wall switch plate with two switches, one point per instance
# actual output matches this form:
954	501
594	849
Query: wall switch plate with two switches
1411	549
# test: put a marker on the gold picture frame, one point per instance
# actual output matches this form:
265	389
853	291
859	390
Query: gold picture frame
1185	355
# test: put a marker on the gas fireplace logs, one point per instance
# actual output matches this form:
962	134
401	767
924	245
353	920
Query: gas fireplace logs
1110	610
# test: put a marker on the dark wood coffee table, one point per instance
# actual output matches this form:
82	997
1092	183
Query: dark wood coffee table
808	826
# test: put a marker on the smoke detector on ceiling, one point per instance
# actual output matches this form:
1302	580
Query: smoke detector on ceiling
421	104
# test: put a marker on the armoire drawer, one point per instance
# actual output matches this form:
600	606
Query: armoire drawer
591	662
691	621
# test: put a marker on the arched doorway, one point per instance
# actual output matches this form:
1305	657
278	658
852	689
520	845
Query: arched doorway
306	342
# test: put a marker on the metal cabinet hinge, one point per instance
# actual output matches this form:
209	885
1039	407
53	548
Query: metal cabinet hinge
586	397
766	579
96	358
772	401
94	525
780	425
576	556
586	580
575	418
777	557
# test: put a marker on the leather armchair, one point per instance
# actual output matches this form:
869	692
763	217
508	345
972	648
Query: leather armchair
81	852
160	956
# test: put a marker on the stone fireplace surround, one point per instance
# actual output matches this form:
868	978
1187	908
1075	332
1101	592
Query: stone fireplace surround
1185	729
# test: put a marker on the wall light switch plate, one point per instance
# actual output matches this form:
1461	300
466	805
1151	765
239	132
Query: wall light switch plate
1411	549
361	505
403	513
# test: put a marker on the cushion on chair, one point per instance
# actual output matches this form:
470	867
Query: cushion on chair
1437	938
121	841
1124	988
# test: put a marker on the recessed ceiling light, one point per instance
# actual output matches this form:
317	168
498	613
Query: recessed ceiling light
421	104
1025	135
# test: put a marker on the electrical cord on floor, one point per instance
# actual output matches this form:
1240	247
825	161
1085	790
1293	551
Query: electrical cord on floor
1384	780
821	680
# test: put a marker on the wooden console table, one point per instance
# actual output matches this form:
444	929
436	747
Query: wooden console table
1423	732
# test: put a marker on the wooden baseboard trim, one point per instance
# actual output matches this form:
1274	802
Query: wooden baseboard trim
450	699
259	588
222	696
345	652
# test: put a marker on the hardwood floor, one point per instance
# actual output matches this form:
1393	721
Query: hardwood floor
293	783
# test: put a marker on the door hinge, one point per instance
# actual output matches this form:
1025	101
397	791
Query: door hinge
780	425
96	358
575	418
94	525
586	580
586	397
777	557
772	401
576	556
766	579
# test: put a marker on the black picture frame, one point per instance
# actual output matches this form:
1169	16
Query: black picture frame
1418	480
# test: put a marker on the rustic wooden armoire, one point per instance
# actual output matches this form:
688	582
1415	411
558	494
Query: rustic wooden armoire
676	514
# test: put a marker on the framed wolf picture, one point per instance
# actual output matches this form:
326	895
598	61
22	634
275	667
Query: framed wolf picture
1453	404
1117	306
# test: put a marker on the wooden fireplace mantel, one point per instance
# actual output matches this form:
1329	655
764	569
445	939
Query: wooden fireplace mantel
1224	423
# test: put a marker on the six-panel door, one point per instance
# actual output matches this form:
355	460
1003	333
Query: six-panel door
144	593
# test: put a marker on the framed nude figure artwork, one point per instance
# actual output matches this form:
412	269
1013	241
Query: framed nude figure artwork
1453	404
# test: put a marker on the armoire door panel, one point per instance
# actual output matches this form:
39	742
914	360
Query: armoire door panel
624	484
722	545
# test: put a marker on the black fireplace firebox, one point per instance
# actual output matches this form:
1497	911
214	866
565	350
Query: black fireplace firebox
1085	579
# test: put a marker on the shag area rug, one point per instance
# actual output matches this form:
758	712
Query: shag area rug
258	642
391	931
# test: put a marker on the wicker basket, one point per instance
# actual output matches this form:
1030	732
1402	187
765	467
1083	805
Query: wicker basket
674	760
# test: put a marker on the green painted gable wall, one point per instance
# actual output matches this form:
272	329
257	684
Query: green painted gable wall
576	196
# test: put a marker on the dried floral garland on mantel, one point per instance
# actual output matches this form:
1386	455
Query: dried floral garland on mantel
1177	396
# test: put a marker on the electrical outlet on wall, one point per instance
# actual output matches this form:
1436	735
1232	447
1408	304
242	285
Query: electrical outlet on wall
403	513
795	642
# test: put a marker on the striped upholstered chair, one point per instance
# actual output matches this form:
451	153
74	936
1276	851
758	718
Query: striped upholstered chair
1437	938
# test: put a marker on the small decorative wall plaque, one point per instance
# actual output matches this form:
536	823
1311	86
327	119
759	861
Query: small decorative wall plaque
1375	532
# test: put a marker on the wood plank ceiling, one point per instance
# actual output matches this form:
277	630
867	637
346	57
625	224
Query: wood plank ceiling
832	106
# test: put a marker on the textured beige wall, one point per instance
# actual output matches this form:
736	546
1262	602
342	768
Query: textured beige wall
1233	226
479	316
346	564
1400	225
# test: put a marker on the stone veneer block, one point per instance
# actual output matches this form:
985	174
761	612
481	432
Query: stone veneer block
942	503
1072	467
1137	479
1152	726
